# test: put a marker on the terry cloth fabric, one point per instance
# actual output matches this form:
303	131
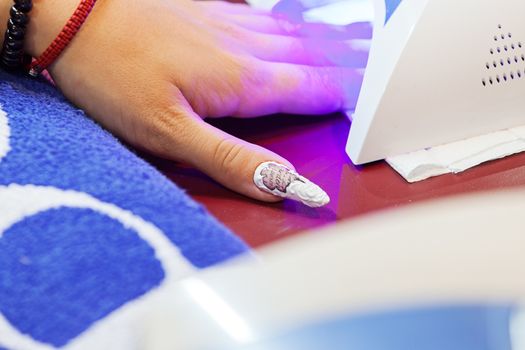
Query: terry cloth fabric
88	231
458	156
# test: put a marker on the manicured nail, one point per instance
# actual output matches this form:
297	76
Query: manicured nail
281	181
289	27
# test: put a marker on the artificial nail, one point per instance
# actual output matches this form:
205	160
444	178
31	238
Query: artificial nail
288	26
281	181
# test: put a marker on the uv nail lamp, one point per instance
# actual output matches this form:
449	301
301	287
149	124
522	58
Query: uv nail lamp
439	71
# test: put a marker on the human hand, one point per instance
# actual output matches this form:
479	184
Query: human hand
149	71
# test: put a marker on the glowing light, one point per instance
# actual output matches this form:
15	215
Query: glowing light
222	313
341	12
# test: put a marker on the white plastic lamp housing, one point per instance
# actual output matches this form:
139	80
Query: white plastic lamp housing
440	71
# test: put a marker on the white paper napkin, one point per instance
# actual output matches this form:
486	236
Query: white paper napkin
459	156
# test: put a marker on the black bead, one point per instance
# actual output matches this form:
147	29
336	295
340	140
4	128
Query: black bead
13	44
18	17
12	57
15	31
9	37
24	5
12	53
11	62
13	25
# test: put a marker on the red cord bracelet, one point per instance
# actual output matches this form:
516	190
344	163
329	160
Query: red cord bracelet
58	45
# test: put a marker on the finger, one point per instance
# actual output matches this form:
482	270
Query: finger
290	9
299	89
230	161
287	7
309	51
273	25
225	158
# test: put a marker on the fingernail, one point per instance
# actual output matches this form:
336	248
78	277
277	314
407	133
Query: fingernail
289	27
281	181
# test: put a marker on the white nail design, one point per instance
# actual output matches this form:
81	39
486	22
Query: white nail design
281	181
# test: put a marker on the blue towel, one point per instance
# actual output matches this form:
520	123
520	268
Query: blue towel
86	227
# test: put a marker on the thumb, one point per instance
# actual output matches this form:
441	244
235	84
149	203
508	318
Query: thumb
231	161
241	166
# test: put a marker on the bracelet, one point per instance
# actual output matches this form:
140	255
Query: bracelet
12	56
58	45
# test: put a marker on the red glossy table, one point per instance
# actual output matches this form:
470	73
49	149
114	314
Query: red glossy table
315	145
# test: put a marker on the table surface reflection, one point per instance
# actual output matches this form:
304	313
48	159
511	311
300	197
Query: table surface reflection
315	145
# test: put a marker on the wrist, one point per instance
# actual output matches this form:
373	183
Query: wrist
5	5
46	20
48	17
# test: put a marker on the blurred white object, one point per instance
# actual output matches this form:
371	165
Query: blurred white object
337	12
269	4
458	156
460	250
440	71
342	12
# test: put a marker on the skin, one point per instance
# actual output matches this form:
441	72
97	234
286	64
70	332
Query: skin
150	71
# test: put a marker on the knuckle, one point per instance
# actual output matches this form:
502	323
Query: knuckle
255	74
217	93
227	155
330	87
236	65
163	132
231	30
298	46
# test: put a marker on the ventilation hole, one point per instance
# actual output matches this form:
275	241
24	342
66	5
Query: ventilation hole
505	77
490	81
510	35
519	74
516	59
501	62
499	26
512	75
512	46
498	49
506	48
509	61
522	57
492	51
498	79
495	64
484	82
495	38
519	45
488	65
502	36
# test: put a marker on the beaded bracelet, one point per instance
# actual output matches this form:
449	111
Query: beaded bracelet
12	56
58	45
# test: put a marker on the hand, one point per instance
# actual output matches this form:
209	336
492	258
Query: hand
149	71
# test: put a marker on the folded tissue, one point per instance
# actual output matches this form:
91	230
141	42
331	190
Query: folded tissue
459	156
